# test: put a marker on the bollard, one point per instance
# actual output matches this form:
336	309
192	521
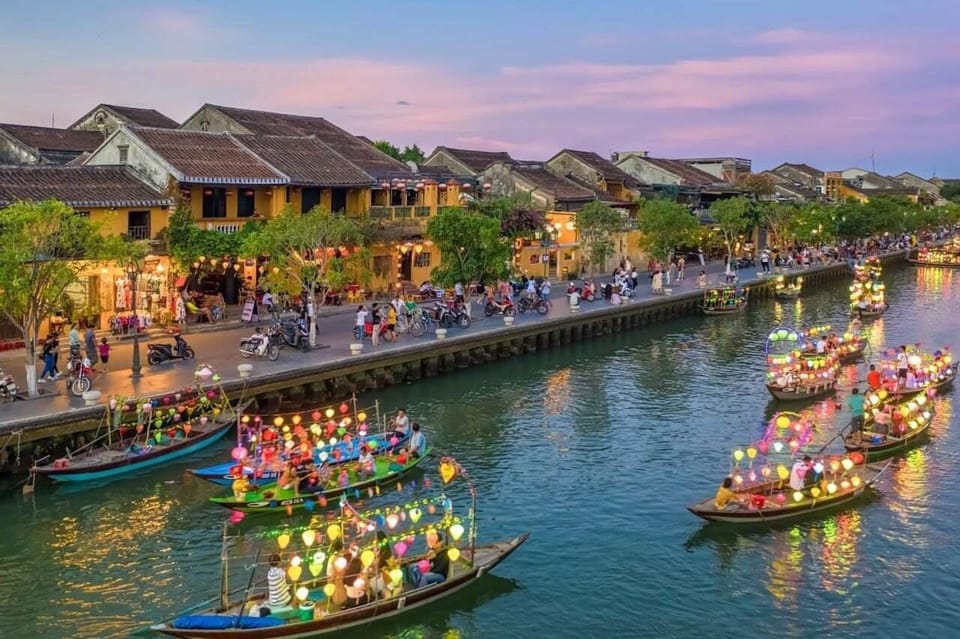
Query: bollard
441	333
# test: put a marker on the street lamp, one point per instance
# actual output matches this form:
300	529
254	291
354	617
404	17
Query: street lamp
134	270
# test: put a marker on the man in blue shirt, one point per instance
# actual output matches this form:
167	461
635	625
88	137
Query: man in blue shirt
418	442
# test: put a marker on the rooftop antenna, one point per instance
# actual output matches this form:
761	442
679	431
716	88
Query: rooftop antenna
53	120
873	161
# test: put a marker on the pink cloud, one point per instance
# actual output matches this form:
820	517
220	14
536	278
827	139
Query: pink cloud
781	36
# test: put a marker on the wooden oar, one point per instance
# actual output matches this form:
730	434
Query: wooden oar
246	591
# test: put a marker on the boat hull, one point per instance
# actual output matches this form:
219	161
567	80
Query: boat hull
934	264
906	393
486	558
809	392
131	463
726	311
789	511
891	445
787	295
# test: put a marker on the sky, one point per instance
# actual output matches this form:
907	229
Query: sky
835	84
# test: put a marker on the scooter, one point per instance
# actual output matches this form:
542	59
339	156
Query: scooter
8	387
79	373
160	353
293	333
260	345
502	308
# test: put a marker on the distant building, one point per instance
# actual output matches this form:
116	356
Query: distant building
675	179
464	161
107	118
724	169
598	173
30	145
861	185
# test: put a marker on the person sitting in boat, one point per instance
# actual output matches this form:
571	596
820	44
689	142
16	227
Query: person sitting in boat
418	442
288	478
821	346
726	496
882	420
310	480
241	486
401	424
785	380
383	582
355	580
343	479
873	378
439	563
911	382
798	474
366	464
278	590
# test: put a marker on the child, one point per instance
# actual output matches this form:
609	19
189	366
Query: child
104	349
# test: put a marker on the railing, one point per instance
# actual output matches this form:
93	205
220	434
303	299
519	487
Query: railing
421	211
402	211
227	229
381	212
138	232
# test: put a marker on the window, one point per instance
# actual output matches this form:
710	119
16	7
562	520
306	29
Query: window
309	198
214	203
382	265
123	149
422	259
246	201
204	125
138	225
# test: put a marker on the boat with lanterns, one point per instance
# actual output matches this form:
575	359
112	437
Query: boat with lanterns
890	428
791	376
930	371
353	569
313	488
848	347
141	433
725	300
935	258
760	490
784	290
332	434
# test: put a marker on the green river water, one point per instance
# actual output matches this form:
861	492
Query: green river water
594	449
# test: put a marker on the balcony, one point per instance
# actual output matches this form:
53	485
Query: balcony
421	211
138	232
399	212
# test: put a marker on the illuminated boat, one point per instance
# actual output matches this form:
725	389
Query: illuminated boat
312	589
891	428
849	347
867	299
726	300
784	291
791	376
938	373
939	258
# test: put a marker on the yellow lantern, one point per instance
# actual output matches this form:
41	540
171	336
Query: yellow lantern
815	492
283	540
329	413
361	416
453	554
456	532
396	575
847	463
302	593
782	472
278	421
296	420
831	488
315	568
329	589
783	421
294	572
751	452
367	557
738	454
855	481
333	532
797	496
415	514
309	536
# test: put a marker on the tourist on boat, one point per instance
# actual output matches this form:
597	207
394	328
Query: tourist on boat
873	378
903	363
911	381
288	478
702	279
418	442
278	590
798	474
882	421
821	346
726	495
354	581
856	404
310	481
439	563
366	465
401	424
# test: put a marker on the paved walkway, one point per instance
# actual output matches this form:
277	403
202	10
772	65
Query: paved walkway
218	347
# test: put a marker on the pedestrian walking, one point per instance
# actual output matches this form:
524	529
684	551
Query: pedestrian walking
681	269
90	343
375	319
104	349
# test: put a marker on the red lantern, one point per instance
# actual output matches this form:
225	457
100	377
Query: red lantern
344	408
316	415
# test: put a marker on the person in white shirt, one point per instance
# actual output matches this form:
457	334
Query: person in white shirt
798	474
903	363
821	346
277	587
360	326
401	424
458	291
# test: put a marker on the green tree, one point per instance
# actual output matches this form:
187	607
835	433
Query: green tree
515	213
187	242
388	148
951	191
45	249
731	216
471	248
597	225
778	218
665	225
302	253
408	154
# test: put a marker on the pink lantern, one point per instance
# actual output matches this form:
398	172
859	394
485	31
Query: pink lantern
394	441
239	453
424	566
399	548
780	498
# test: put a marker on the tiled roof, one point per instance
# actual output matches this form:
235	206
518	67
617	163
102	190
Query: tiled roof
610	171
803	168
599	193
78	186
688	175
208	157
561	187
364	155
477	161
45	138
143	117
786	184
306	161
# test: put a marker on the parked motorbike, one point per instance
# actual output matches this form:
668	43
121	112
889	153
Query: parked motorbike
79	373
8	387
260	345
499	308
536	304
453	313
158	353
293	333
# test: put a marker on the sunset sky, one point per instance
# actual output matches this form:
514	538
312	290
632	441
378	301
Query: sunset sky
830	83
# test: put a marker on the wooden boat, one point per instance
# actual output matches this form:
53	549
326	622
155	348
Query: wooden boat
933	264
802	391
941	384
724	301
339	453
847	352
878	445
273	498
764	508
784	291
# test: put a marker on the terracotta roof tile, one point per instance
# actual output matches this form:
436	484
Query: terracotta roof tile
78	186
209	157
364	155
306	161
477	161
45	138
561	187
689	176
143	117
610	171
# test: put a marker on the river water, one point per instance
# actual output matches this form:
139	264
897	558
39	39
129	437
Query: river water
595	449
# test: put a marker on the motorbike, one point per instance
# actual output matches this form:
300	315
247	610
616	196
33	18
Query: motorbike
293	333
587	294
499	308
8	387
79	373
261	345
458	313
158	353
536	304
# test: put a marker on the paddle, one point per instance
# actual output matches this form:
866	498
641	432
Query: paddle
246	591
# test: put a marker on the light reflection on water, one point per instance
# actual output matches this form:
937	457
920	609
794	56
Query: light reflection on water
596	449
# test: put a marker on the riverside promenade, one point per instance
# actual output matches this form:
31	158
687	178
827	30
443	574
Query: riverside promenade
217	346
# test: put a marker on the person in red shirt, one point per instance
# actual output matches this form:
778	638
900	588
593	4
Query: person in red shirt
873	378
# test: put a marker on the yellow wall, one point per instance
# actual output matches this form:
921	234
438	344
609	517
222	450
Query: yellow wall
115	221
846	191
